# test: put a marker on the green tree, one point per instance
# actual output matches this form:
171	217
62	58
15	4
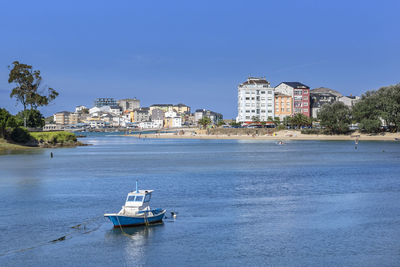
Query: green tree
4	117
366	112
287	121
300	120
205	121
220	122
389	105
277	121
335	117
235	124
33	117
28	90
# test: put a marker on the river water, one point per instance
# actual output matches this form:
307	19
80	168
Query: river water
238	203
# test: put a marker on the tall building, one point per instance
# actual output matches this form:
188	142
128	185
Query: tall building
300	94
129	104
283	105
65	118
255	99
100	102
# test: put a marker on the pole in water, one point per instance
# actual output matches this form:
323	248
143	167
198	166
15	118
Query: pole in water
137	191
51	154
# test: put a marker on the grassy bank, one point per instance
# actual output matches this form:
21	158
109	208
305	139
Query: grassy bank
42	139
54	138
6	146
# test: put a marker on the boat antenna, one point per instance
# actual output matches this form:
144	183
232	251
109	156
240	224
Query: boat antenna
137	191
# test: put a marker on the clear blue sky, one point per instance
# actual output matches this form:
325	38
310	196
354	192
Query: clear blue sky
197	52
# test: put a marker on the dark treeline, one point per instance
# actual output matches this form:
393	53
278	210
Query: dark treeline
377	111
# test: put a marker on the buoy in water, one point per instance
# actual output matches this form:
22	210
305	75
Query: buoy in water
173	214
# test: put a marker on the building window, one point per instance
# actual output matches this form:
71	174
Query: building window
305	104
269	99
269	105
247	98
247	105
262	111
297	92
288	109
269	92
282	109
263	104
247	111
262	98
247	117
305	97
305	110
253	111
252	98
262	92
305	92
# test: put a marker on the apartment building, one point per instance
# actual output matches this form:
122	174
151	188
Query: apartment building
65	118
300	94
128	104
321	96
255	99
283	105
214	116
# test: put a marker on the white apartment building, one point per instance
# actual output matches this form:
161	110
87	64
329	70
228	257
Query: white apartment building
255	99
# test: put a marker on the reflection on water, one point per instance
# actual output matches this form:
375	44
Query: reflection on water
135	239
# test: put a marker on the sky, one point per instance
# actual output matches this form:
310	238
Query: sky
197	52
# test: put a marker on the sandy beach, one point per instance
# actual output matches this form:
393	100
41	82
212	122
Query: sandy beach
281	135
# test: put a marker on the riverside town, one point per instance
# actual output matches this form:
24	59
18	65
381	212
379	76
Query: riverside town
200	133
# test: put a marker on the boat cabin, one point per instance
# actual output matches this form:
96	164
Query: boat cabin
139	199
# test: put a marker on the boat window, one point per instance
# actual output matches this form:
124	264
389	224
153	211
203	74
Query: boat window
139	198
131	198
147	198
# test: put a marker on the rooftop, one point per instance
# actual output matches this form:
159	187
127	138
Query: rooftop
296	85
255	81
324	90
161	105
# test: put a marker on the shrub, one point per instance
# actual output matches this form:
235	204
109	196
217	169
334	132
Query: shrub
55	137
20	135
281	127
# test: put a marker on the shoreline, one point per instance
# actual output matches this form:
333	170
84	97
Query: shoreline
279	136
9	147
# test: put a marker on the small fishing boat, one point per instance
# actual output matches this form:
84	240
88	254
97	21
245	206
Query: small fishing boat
136	210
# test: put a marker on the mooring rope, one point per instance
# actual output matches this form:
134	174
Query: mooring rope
62	238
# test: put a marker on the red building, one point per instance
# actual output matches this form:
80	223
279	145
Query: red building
300	93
